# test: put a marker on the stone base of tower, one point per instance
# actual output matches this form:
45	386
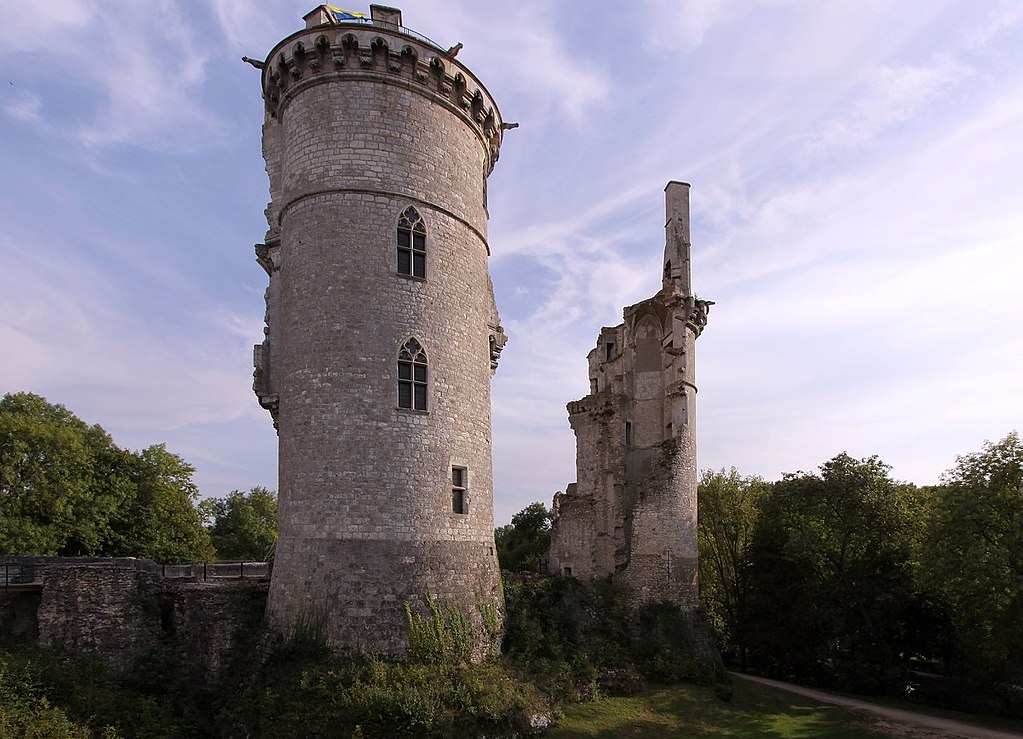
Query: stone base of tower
355	592
662	550
639	535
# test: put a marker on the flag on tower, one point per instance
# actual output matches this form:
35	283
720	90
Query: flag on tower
344	15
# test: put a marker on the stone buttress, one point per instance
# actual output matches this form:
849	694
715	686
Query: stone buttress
382	332
631	514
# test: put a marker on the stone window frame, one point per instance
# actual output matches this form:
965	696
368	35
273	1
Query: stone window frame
459	489
410	244
413	376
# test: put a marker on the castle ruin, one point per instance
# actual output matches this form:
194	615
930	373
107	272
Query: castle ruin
631	514
381	330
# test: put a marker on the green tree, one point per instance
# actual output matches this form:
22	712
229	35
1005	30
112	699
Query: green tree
729	506
974	557
524	543
67	489
834	575
242	525
60	480
161	521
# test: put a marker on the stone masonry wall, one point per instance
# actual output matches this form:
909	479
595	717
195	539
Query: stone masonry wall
118	612
363	122
18	619
111	612
631	516
208	619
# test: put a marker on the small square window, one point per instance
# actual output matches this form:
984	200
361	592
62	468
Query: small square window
459	485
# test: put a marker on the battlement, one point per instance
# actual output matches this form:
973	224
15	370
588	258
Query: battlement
385	51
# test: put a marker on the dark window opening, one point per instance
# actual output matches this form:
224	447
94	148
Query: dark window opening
459	483
412	376
667	270
411	244
609	350
628	433
566	571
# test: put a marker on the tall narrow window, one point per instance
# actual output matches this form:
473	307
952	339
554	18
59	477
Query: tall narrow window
411	244
412	369
459	484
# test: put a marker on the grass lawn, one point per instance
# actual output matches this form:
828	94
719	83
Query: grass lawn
691	710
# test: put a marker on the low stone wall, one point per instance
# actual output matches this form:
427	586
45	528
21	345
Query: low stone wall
112	612
119	609
207	619
18	621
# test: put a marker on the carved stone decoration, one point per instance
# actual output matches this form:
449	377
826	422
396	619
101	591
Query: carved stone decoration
695	313
497	341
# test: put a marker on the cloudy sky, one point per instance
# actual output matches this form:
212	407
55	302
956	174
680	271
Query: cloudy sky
857	195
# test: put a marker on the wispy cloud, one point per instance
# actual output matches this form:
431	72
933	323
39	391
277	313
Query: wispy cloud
674	25
24	107
135	72
893	96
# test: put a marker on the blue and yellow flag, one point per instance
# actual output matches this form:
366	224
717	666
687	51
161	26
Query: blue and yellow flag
344	15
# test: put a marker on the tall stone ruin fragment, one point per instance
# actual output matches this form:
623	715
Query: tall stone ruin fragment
631	514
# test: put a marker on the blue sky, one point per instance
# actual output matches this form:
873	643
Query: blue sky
857	199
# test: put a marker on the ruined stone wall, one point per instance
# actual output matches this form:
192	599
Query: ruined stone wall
631	515
116	610
206	620
111	612
363	122
18	619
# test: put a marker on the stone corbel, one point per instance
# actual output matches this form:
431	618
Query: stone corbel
497	341
694	313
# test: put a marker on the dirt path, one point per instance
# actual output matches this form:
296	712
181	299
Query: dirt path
895	720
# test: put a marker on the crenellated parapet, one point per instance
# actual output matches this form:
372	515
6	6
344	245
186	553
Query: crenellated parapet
599	404
385	53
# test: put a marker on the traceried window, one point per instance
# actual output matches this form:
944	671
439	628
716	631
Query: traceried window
412	374
459	491
411	244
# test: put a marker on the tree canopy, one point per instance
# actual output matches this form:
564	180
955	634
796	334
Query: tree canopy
848	578
974	556
242	525
522	544
729	506
67	489
834	577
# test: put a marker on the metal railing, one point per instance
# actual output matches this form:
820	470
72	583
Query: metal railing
23	573
217	571
401	29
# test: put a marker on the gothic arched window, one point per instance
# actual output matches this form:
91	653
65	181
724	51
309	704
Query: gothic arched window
412	371
411	244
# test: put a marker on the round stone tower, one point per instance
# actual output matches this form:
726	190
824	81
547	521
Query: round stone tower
382	333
